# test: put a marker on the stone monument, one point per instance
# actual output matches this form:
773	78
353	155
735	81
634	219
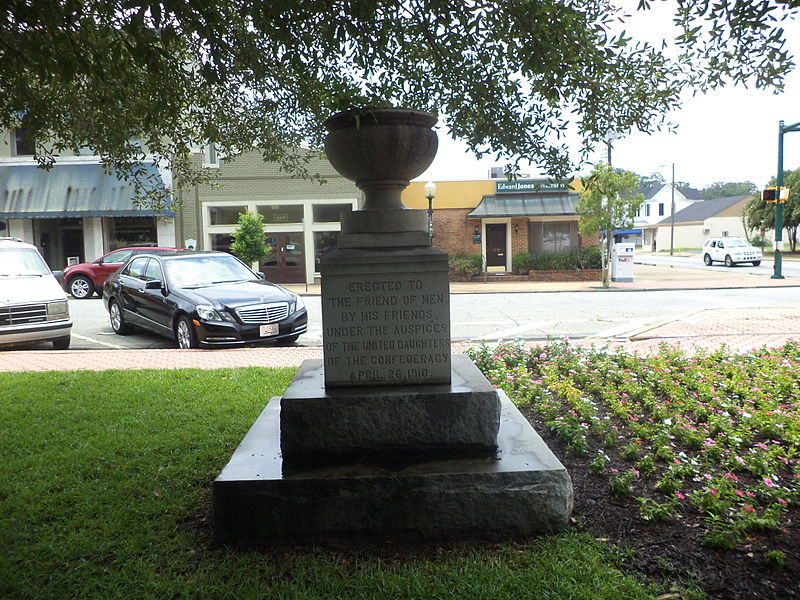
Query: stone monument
389	437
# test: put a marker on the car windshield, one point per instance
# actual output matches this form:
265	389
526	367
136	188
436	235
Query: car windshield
200	270
735	243
22	262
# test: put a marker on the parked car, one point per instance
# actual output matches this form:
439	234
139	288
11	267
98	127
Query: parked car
731	251
205	299
33	307
84	279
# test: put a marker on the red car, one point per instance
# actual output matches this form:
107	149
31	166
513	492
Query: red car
84	279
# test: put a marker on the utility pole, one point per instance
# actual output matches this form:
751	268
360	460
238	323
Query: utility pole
672	213
778	259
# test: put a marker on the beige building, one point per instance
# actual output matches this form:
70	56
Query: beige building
301	216
697	222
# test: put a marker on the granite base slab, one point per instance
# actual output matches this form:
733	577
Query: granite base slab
521	492
388	423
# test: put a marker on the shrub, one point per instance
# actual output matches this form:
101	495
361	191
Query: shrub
465	264
580	258
522	261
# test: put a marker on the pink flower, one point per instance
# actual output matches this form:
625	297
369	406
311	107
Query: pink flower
679	496
748	508
731	476
768	482
712	491
740	460
738	493
708	443
782	502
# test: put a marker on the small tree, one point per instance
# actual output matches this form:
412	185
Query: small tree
609	201
248	239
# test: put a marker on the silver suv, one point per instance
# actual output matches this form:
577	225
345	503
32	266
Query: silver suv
33	306
731	251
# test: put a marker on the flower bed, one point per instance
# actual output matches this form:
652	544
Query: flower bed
714	437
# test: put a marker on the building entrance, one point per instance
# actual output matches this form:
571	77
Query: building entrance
286	260
496	245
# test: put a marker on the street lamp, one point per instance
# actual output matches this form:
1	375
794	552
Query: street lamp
776	273
430	194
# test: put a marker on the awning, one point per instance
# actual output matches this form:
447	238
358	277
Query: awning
68	191
627	231
525	205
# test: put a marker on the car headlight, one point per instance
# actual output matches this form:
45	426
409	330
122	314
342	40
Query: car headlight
209	313
296	305
58	310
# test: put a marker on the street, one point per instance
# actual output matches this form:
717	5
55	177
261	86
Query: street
789	268
531	316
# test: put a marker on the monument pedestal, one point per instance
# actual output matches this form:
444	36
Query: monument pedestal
389	438
517	491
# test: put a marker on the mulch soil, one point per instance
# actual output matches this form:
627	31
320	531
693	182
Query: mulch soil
672	551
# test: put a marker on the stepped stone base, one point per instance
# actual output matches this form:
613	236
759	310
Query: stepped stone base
520	492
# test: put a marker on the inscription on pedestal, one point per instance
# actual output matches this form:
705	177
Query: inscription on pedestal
387	329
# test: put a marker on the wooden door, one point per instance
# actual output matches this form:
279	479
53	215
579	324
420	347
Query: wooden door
496	245
286	262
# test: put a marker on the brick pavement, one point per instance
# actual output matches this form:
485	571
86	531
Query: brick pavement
706	329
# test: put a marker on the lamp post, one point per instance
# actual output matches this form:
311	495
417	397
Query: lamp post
778	260
430	194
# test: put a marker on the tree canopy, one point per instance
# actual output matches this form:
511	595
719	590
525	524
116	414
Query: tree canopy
608	201
126	78
728	189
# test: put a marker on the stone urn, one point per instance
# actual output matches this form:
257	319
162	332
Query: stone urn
381	149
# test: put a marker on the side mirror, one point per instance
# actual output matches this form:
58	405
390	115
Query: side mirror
59	275
261	275
153	285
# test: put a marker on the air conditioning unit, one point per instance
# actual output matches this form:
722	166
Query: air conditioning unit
706	230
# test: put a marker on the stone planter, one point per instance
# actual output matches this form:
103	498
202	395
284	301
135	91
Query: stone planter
381	149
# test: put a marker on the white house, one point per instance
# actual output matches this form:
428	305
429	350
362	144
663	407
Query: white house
658	205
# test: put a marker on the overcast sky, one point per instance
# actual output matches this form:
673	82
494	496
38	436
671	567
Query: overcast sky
728	135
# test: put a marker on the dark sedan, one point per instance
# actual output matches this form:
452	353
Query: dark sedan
205	299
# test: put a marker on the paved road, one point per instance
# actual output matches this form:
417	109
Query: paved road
789	268
530	316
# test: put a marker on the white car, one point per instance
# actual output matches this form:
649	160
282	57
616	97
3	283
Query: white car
731	251
33	307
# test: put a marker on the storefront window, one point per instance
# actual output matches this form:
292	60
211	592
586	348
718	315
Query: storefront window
225	215
324	242
329	213
131	231
221	242
555	238
285	213
551	238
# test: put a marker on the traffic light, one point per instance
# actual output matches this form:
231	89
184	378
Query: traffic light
771	195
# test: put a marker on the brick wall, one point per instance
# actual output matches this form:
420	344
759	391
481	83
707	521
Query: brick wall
452	231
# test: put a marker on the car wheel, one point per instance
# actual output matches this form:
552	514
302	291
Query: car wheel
707	260
61	343
756	263
118	323
288	340
185	335
728	260
81	287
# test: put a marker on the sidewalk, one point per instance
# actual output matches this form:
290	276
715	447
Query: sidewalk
645	277
704	330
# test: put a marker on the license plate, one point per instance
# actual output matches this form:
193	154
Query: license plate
268	330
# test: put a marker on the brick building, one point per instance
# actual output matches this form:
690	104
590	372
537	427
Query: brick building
498	219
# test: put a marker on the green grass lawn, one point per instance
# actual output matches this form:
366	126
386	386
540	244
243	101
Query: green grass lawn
105	489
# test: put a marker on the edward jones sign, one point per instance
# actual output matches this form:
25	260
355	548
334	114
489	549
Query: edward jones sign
522	186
